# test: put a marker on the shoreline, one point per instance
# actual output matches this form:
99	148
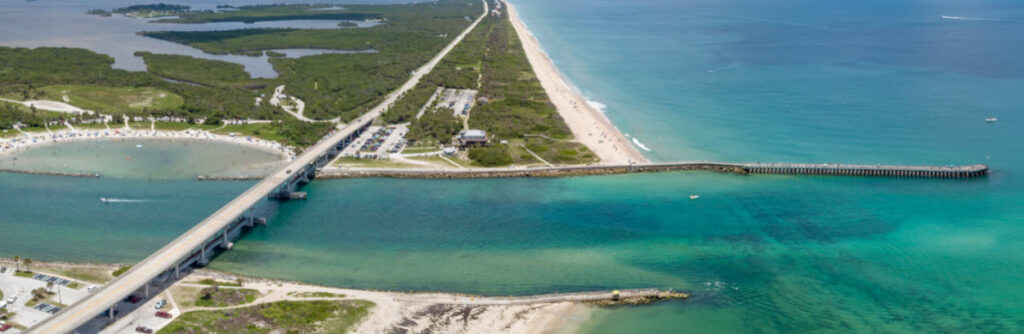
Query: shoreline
590	126
413	311
27	141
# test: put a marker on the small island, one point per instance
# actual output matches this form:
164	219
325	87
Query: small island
144	11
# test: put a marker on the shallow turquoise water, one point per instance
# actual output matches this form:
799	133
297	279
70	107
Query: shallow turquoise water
830	81
147	158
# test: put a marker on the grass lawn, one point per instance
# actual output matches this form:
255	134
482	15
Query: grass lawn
113	99
9	133
223	297
93	126
185	295
371	163
209	281
262	130
93	275
439	161
316	294
278	317
423	149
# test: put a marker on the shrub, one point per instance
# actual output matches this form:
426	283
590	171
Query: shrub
491	156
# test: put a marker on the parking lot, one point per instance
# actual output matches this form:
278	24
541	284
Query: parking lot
459	100
20	290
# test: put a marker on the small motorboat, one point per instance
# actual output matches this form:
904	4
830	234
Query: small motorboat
104	200
991	120
694	196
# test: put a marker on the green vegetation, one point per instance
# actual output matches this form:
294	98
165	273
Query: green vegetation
278	317
518	104
287	132
195	70
87	274
120	271
316	294
433	127
214	296
251	14
210	281
492	156
154	10
23	71
24	273
371	163
15	113
491	59
114	99
338	85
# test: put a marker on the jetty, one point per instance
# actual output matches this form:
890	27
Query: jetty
68	174
904	171
604	298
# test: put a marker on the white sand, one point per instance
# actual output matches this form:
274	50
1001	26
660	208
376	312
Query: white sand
26	140
590	126
426	312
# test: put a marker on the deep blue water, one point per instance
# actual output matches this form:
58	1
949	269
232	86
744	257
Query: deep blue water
824	81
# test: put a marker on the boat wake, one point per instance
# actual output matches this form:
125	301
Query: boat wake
122	200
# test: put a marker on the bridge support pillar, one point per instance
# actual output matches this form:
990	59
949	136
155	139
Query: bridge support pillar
110	312
177	269
146	290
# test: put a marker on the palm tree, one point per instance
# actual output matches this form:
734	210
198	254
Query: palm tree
28	264
49	286
17	263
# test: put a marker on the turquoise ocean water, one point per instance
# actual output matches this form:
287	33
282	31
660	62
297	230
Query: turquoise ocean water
826	81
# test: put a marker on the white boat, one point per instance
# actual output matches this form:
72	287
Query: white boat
694	196
104	200
991	120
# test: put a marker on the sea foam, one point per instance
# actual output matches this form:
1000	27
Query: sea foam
640	145
597	105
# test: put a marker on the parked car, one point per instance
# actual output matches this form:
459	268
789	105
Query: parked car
163	314
144	329
5	327
92	288
11	300
161	303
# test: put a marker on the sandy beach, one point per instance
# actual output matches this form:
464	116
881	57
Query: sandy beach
589	125
393	312
27	140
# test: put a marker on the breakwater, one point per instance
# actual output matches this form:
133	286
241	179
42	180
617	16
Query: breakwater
969	171
69	174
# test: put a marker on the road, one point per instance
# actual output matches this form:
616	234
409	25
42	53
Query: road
170	255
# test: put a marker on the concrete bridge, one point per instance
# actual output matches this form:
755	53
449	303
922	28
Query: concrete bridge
197	244
962	172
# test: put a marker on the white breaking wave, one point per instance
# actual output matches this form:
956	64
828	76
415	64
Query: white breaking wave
123	200
640	145
947	17
597	105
